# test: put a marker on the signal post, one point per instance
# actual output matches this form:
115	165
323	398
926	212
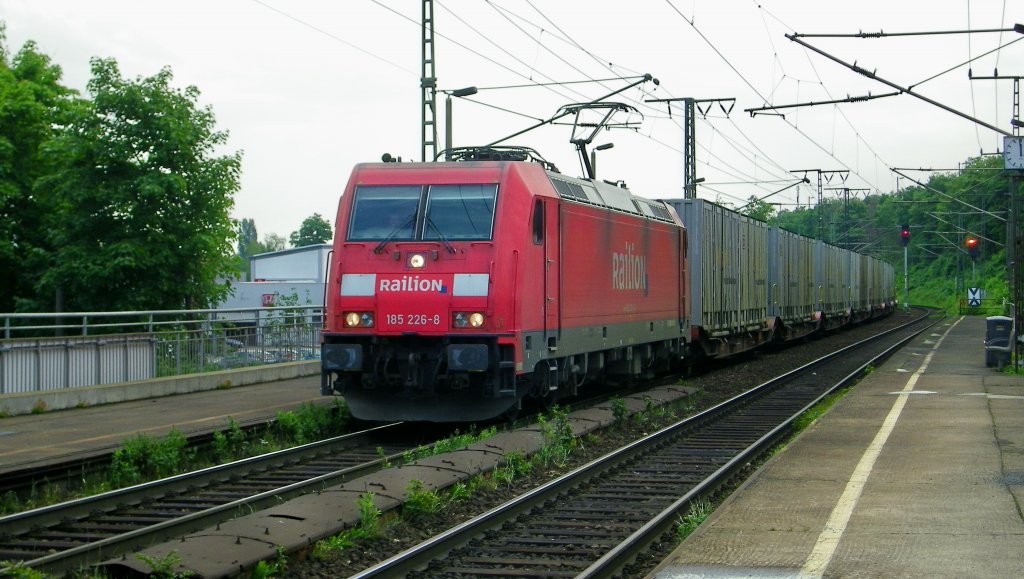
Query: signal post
905	238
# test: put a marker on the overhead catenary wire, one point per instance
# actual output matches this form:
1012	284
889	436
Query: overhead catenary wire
754	89
566	38
760	161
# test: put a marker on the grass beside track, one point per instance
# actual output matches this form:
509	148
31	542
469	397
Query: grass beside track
144	458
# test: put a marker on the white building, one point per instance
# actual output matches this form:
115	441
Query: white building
290	277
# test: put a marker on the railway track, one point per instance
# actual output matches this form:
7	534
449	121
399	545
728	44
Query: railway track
594	521
84	465
81	532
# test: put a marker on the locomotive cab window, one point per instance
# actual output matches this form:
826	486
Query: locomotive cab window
457	212
538	222
385	213
413	212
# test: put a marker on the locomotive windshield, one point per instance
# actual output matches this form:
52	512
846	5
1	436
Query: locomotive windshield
432	213
384	212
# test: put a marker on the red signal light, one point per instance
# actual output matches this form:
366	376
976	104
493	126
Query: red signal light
905	235
973	249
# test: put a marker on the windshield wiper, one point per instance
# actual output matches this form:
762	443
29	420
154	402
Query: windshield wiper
396	231
440	235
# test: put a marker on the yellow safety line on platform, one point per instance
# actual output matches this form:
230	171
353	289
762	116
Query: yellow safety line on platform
828	540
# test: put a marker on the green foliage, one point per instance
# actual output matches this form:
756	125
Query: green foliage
164	567
369	516
698	512
452	443
273	242
145	458
419	503
516	464
370	527
459	492
384	462
619	411
312	422
314	230
559	440
940	220
247	238
231	443
268	569
818	410
112	202
481	483
758	209
143	211
17	570
34	107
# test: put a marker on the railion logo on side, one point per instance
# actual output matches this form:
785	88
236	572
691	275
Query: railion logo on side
412	283
629	272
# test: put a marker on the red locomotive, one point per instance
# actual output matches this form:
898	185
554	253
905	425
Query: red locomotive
459	289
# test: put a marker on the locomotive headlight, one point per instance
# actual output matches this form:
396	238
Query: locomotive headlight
468	319
417	260
359	319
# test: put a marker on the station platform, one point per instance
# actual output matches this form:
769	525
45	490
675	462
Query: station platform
917	472
36	439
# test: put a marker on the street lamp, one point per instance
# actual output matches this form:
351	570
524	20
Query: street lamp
462	92
593	157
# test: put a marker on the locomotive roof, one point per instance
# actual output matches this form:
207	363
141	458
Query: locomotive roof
598	193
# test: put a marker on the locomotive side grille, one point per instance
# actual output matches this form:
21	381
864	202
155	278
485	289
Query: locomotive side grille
654	210
620	200
571	190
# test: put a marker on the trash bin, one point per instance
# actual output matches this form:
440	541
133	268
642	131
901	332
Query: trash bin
998	341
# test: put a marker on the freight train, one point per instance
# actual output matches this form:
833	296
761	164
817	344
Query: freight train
460	290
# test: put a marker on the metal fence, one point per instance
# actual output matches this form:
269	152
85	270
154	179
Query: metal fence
41	352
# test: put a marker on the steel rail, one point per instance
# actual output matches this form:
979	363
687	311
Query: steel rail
417	557
81	509
56	470
639	541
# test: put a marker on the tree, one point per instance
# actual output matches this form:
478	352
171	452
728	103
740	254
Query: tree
272	242
142	220
247	238
759	209
314	230
33	107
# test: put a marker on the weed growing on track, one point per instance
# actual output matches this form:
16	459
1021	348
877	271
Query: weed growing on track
699	511
143	458
19	571
266	569
419	503
808	418
559	440
619	412
230	443
370	527
165	566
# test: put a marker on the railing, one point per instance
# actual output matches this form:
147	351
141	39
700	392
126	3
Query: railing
986	306
55	351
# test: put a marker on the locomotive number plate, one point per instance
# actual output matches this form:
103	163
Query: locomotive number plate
417	320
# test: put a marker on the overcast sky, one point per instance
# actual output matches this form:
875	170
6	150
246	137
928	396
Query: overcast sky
308	88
